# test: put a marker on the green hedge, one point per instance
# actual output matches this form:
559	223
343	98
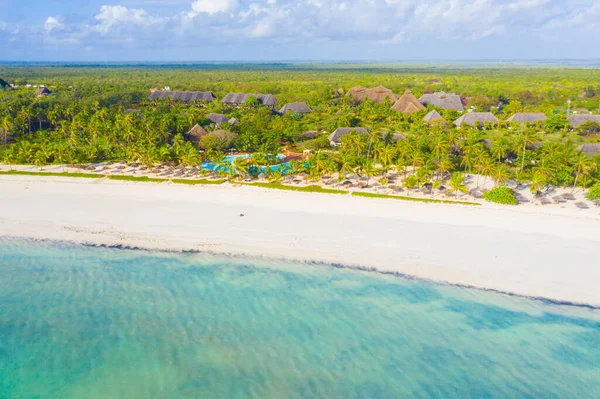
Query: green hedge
137	178
306	189
426	200
195	182
501	195
55	174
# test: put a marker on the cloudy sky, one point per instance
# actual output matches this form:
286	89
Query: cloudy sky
206	30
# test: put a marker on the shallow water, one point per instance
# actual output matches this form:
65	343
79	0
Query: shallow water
81	322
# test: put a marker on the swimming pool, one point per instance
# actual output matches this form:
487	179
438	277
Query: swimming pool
284	167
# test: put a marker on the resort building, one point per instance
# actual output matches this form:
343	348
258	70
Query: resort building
295	108
590	149
42	92
195	134
577	120
4	84
443	100
184	96
217	119
334	138
237	99
528	117
377	94
433	117
408	104
473	118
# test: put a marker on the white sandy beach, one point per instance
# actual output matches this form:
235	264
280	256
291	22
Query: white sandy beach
530	251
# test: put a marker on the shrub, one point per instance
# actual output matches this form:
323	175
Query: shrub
587	128
218	140
501	195
594	193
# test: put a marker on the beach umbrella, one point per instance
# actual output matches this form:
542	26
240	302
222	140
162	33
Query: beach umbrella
582	205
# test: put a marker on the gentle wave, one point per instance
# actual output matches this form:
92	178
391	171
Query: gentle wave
79	321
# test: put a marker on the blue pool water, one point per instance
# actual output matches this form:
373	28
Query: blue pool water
81	322
284	167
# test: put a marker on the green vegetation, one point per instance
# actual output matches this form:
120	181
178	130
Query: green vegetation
198	182
56	174
85	121
501	195
426	200
594	193
144	179
305	189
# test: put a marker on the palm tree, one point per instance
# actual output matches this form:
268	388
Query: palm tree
538	181
525	137
583	165
500	173
241	166
457	183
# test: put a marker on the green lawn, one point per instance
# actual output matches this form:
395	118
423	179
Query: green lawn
59	174
197	182
306	189
402	198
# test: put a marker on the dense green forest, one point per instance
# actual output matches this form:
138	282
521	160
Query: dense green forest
85	118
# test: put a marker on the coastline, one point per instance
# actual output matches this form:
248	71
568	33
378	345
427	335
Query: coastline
529	252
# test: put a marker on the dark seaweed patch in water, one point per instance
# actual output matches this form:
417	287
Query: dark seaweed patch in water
488	317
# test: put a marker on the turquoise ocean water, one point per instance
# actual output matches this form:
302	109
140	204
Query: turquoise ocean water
81	322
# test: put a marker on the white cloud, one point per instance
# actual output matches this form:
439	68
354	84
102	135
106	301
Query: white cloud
119	16
213	6
389	22
53	23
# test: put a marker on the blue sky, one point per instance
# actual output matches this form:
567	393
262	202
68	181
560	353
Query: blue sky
207	30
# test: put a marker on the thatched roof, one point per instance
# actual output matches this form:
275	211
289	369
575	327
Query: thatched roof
240	98
295	108
133	111
310	134
590	149
185	96
232	121
407	104
195	134
377	94
433	117
42	91
339	132
217	119
527	117
443	100
472	118
577	120
4	84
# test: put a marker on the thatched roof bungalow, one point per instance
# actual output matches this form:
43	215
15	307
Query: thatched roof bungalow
433	117
184	96
377	94
237	99
590	149
195	134
217	119
443	100
334	138
299	108
528	117
42	91
4	84
407	104
577	120
473	118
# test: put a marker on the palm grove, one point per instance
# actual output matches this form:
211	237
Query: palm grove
86	122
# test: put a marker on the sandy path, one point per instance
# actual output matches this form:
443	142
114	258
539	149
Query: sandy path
523	251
